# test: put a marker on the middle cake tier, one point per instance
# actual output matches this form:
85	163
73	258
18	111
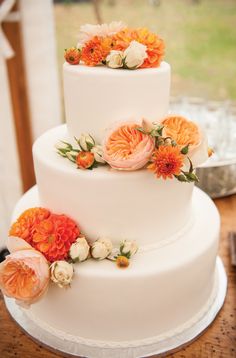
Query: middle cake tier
109	203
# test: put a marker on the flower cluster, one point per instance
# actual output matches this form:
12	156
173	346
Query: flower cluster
87	155
116	46
170	148
44	246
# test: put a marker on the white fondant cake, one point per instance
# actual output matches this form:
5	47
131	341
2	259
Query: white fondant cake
172	282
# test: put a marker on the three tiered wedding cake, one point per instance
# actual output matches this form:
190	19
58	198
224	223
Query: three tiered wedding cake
138	199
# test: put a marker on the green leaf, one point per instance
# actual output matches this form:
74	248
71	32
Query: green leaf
140	129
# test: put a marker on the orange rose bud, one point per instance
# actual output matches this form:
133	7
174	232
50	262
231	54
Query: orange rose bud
85	160
122	261
210	151
72	55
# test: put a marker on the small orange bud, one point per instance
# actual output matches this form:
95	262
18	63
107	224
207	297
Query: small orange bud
210	152
122	261
85	160
72	55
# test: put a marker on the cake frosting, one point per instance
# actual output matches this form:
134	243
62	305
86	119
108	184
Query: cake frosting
115	184
97	97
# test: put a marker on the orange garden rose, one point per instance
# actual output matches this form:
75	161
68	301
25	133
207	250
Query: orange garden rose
72	55
186	132
126	148
181	130
94	51
25	225
167	161
85	160
24	275
53	237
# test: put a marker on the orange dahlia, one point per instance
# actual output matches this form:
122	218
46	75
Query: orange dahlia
107	44
155	45
167	161
123	38
53	237
72	55
25	225
94	51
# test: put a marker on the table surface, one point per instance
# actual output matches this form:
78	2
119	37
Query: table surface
219	340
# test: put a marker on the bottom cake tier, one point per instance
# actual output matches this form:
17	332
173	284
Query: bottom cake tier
165	290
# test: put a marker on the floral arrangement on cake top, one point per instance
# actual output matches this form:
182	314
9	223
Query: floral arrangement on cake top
44	246
170	148
116	46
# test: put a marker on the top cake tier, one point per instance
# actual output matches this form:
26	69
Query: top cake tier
96	97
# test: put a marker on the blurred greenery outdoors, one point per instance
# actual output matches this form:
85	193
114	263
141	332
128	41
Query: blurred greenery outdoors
200	38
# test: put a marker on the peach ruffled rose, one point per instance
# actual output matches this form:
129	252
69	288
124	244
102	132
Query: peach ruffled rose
186	132
126	148
24	275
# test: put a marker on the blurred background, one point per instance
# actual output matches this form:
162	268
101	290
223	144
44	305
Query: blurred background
200	37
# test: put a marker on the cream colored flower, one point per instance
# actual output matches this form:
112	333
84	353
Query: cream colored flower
101	248
61	273
115	59
72	155
98	154
88	31
79	250
86	142
128	248
135	55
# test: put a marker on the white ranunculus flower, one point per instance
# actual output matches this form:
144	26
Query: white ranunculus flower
101	248
98	154
61	273
135	55
128	248
115	59
79	250
88	31
86	142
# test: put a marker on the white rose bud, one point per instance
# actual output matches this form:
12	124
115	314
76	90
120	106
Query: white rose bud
79	250
101	248
72	155
135	55
98	154
61	273
63	146
128	248
86	142
115	59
